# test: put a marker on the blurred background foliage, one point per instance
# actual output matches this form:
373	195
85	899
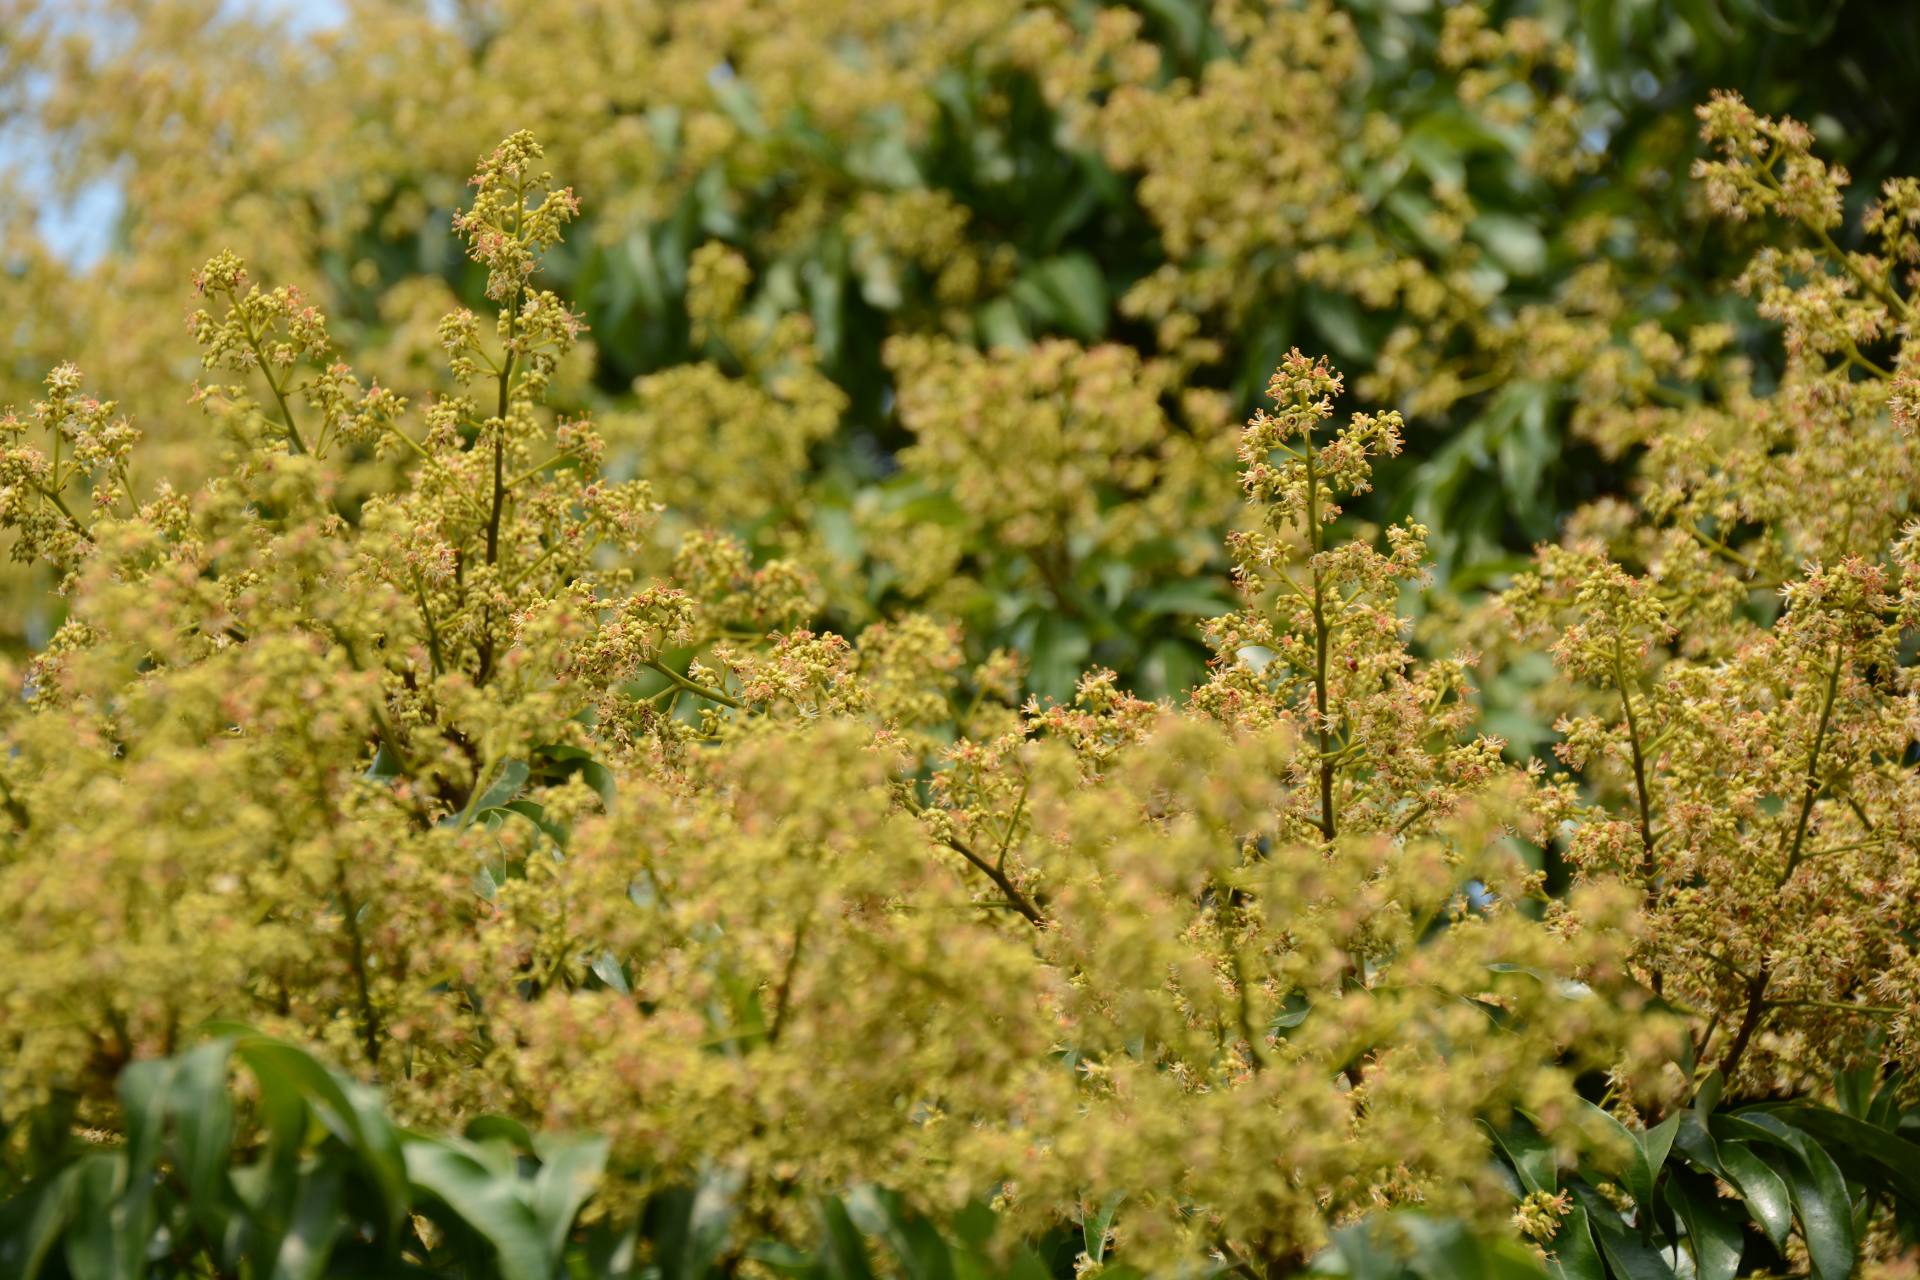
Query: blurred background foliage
807	220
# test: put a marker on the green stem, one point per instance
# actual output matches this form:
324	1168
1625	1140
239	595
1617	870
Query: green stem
1649	867
531	472
60	505
266	371
357	954
1872	1010
1757	989
693	686
1322	635
1720	548
1894	302
783	995
426	616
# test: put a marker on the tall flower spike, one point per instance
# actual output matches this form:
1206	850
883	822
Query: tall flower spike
516	213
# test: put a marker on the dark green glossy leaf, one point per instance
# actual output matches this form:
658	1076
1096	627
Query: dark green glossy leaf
1625	1252
1866	1152
350	1112
923	1254
1764	1192
1695	1144
1629	1157
1713	1236
1575	1256
1707	1097
1656	1143
1820	1197
1530	1154
843	1253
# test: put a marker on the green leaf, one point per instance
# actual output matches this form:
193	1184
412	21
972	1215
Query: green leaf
537	815
1656	1143
1764	1193
1634	1169
1869	1154
1437	158
1707	1097
922	1252
1095	1227
1361	1252
1530	1154
501	1129
600	778
843	1254
1068	292
1173	668
607	967
1575	1256
203	1122
487	1203
349	1111
570	1169
385	766
1514	243
96	1248
999	325
1337	319
1820	1197
689	1225
1695	1144
1625	1252
1444	1248
1186	21
1292	1014
31	1224
1058	654
1853	1090
1190	598
1714	1239
316	1222
505	786
974	1225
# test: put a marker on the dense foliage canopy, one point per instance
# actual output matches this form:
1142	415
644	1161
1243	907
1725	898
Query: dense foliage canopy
831	690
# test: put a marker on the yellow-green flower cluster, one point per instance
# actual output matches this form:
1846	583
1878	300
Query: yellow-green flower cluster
1743	702
391	741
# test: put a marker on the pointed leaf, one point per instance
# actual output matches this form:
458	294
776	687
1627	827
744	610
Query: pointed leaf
316	1222
1575	1256
1531	1155
351	1112
1626	1253
1094	1227
486	1202
843	1254
1764	1192
570	1170
504	787
1820	1197
1630	1157
1714	1239
1866	1152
